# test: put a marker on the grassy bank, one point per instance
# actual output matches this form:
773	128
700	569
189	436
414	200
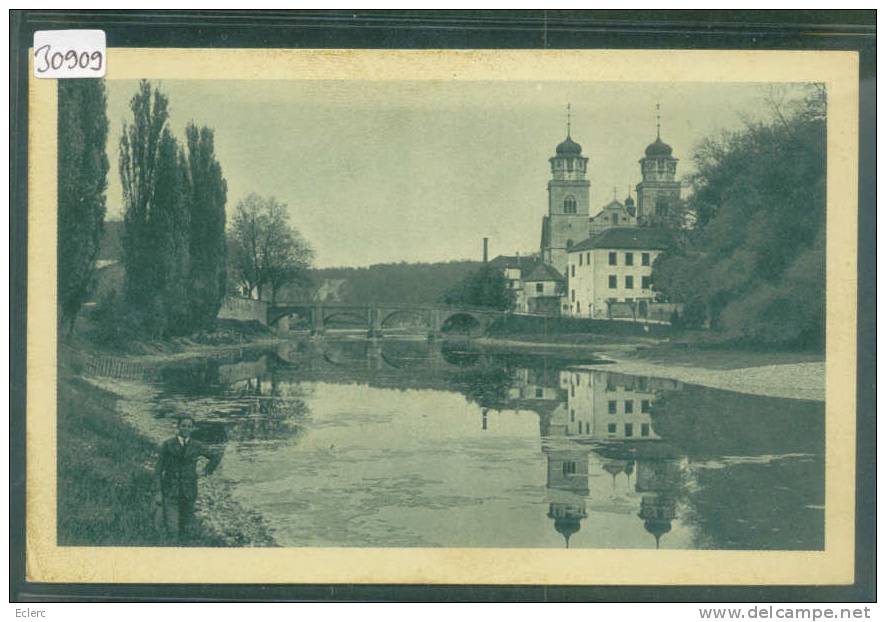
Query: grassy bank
105	470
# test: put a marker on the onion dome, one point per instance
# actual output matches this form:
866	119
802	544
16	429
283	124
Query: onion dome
658	149
567	527
658	528
569	148
630	207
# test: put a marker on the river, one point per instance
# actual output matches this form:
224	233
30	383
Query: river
399	443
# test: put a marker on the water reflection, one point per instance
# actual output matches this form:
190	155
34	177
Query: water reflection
405	443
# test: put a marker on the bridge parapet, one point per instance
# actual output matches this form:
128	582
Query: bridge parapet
376	315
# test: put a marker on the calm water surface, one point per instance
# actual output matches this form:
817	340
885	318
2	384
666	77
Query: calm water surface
405	443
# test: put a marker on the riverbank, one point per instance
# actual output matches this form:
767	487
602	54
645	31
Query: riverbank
590	343
770	373
792	375
106	458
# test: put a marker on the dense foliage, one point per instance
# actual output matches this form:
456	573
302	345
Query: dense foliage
754	264
207	194
173	242
82	182
267	251
484	287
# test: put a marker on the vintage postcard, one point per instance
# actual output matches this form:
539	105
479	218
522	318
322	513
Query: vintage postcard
443	316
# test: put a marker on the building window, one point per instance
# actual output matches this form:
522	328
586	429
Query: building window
644	429
539	288
629	282
629	429
644	406
647	282
572	415
588	258
611	428
629	259
613	281
568	467
569	205
539	392
615	219
572	390
568	243
613	259
572	295
580	262
644	259
629	407
573	269
613	407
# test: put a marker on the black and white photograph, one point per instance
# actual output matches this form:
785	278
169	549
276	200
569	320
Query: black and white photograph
503	317
418	315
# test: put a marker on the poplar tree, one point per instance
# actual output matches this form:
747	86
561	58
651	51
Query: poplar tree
139	158
82	183
170	231
207	195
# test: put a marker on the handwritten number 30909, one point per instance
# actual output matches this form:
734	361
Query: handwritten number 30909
71	59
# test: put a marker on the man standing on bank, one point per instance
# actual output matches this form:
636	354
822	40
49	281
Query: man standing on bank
176	477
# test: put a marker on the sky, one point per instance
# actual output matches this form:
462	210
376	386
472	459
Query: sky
377	172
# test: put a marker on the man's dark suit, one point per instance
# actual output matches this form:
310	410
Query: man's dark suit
177	479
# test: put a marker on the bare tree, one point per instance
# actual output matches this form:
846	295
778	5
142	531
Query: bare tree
267	250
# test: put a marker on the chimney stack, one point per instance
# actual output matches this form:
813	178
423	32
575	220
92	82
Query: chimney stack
485	250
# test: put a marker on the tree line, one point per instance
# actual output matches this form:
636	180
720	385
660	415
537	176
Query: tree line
408	283
179	258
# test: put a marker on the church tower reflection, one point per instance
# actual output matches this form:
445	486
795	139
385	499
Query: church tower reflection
609	414
567	486
658	482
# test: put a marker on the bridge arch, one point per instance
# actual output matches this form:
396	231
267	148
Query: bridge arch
419	314
355	316
303	312
462	322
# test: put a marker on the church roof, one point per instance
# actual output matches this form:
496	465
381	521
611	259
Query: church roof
658	149
630	238
568	148
544	272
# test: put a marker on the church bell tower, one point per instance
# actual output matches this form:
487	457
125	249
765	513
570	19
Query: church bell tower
658	195
568	201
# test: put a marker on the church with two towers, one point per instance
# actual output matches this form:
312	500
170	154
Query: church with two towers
605	259
569	220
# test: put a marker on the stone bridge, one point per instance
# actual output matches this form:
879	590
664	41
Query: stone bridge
376	318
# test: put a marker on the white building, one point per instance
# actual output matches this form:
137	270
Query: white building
610	274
